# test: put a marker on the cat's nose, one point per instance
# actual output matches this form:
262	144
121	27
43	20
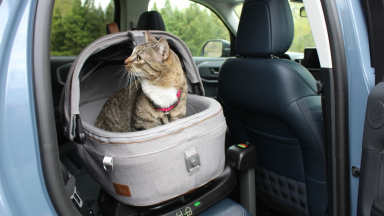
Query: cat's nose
126	61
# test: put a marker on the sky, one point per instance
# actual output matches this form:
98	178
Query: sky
178	3
104	3
160	3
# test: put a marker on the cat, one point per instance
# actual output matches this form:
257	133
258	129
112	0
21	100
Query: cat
158	95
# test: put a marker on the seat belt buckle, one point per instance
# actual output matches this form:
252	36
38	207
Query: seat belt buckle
75	196
242	156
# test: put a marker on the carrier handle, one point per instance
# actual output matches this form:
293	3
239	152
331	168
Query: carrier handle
137	37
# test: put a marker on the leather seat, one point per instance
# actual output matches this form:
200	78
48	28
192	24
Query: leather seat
151	20
272	103
226	207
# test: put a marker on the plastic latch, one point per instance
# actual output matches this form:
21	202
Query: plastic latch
242	156
108	163
76	198
192	160
79	133
319	87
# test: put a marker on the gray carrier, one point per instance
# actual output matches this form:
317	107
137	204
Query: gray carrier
150	166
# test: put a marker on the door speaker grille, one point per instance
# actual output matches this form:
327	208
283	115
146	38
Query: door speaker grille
376	114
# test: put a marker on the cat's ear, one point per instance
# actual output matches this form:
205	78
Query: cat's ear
163	48
149	37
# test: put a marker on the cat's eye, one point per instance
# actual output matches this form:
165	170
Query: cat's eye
139	58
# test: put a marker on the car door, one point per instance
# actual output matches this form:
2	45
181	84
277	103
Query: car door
209	72
371	184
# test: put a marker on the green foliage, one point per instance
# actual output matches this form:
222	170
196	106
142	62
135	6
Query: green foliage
195	25
76	24
303	36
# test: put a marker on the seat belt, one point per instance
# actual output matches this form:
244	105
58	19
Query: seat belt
70	188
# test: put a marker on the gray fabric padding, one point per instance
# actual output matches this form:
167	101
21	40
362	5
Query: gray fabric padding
72	86
151	162
91	110
103	83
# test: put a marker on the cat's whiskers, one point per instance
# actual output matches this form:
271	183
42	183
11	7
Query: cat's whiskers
123	75
122	69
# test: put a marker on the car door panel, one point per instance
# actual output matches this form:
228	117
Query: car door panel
209	72
60	66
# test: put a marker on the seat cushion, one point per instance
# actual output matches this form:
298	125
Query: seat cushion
226	207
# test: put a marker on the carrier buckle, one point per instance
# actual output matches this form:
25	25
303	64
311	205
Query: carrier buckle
192	160
108	163
75	196
79	133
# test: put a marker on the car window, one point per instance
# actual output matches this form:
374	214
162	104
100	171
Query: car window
193	23
238	9
303	35
76	23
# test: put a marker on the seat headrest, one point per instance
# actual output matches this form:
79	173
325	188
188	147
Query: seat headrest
265	28
151	20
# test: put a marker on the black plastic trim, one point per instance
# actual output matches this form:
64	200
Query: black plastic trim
117	13
375	15
338	167
208	195
44	110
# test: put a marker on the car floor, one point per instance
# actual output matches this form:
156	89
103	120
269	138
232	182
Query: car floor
85	184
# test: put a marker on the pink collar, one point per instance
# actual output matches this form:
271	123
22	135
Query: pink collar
166	110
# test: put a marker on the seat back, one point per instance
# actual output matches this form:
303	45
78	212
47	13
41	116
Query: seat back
273	104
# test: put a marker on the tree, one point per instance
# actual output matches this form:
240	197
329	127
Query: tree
303	36
76	28
154	8
57	32
109	14
195	25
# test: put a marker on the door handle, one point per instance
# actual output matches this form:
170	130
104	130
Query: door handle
214	71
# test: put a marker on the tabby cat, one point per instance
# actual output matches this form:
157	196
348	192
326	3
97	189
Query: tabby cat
158	95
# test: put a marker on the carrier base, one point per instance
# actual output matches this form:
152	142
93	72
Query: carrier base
186	205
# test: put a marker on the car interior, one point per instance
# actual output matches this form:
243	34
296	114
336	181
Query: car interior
270	99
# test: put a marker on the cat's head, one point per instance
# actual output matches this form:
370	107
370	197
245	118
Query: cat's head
150	59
